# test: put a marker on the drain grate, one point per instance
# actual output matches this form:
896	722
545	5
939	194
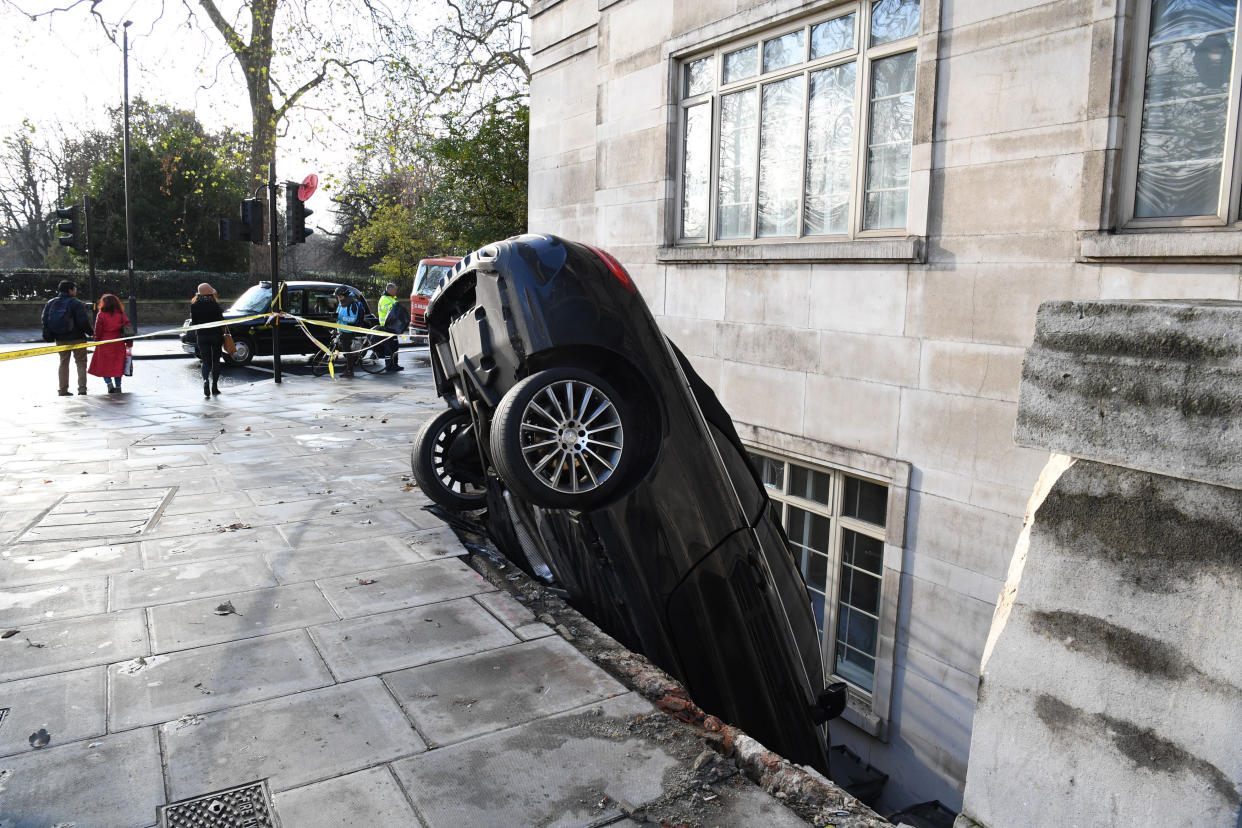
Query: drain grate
246	806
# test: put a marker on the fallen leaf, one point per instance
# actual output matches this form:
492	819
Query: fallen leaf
40	738
407	487
226	609
47	481
384	420
247	428
367	581
9	633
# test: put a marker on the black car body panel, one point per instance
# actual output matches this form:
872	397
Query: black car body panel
686	562
307	299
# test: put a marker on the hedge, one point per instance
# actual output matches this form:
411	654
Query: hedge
155	284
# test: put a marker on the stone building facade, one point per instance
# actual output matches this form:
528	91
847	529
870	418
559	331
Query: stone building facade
846	213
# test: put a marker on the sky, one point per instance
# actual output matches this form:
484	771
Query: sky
63	69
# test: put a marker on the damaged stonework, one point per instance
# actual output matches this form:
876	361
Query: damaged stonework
1111	688
803	790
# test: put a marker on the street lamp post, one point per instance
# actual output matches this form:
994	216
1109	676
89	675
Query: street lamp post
129	232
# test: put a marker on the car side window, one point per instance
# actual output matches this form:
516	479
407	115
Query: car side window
322	303
293	302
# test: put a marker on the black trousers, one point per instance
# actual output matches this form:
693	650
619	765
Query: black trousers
210	352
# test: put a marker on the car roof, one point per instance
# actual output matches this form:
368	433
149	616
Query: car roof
441	260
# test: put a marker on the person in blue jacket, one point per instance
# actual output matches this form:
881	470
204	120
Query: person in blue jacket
349	311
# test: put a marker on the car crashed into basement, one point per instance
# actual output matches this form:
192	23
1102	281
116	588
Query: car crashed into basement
609	468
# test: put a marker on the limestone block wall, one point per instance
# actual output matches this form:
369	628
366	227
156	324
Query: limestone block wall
909	348
1111	687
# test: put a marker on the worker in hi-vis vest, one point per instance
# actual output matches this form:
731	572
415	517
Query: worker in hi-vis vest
393	318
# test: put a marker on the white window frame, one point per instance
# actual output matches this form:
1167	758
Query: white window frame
865	58
1227	214
868	711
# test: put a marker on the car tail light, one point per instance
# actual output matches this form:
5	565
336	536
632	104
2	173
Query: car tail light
615	268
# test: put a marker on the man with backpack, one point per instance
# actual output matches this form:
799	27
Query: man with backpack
66	322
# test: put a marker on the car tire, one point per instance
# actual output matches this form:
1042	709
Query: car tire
446	464
243	353
558	439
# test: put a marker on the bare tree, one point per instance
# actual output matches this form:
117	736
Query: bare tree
28	179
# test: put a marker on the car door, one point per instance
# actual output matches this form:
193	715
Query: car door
321	305
292	340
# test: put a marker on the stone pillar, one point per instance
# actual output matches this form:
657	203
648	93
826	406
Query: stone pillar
1111	684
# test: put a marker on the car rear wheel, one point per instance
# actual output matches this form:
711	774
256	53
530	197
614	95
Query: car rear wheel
559	439
445	461
243	353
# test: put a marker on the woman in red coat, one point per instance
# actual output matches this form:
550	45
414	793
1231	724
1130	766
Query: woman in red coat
108	361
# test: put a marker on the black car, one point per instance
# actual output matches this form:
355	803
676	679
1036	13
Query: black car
310	300
609	468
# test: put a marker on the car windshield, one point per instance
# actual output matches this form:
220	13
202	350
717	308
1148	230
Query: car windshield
428	277
255	300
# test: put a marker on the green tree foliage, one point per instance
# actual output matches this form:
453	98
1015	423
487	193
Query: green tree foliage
470	189
183	179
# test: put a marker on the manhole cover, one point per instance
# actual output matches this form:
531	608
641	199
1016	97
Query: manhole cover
180	438
246	806
103	514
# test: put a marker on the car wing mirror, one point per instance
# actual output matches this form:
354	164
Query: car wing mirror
830	703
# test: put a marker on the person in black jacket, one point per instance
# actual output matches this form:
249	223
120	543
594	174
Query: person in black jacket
205	307
66	322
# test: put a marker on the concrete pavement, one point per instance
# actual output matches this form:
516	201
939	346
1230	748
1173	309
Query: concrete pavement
199	595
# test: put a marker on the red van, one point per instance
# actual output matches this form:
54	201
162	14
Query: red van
430	271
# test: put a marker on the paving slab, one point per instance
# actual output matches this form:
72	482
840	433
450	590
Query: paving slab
370	797
435	543
69	706
407	638
198	623
196	523
159	688
419	516
46	602
291	741
58	646
23	564
554	771
453	700
197	579
113	781
348	526
316	562
511	612
399	587
160	551
195	501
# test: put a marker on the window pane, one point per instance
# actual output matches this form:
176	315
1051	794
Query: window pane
1185	108
809	484
864	592
830	142
698	77
893	19
888	145
855	667
861	551
783	51
743	63
735	186
832	36
809	531
771	471
780	157
697	152
865	500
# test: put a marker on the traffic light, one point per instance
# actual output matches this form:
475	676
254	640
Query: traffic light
250	228
295	217
69	224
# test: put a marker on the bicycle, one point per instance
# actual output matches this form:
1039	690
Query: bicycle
366	348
